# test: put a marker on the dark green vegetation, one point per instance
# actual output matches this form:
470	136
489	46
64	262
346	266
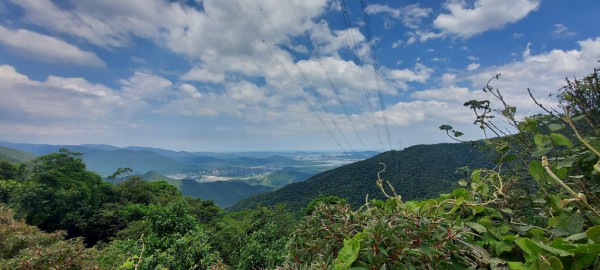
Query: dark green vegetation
417	172
535	208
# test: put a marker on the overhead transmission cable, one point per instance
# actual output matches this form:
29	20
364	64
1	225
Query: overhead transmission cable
325	72
303	74
375	67
286	72
360	71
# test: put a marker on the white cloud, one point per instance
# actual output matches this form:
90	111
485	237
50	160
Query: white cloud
472	66
146	86
203	75
472	58
466	21
562	31
411	15
543	73
401	77
55	99
46	48
449	78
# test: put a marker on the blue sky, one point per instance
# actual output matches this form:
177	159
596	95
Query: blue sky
194	75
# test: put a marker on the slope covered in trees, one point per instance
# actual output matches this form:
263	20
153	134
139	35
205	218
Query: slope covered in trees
417	172
14	155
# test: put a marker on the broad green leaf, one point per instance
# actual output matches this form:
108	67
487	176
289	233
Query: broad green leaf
529	247
476	226
536	170
541	152
347	254
555	251
577	237
593	234
476	176
559	139
567	223
566	163
516	265
555	127
552	263
541	140
503	246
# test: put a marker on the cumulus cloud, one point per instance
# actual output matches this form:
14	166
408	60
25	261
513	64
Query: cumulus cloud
203	75
562	31
411	16
465	21
473	66
401	77
46	48
543	73
48	103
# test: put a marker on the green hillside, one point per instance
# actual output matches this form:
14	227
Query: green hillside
16	156
421	171
153	176
223	193
107	162
281	178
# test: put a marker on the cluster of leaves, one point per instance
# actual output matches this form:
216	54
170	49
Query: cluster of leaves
548	217
24	246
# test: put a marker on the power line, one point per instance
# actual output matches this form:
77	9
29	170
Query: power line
287	73
360	71
325	72
375	67
303	75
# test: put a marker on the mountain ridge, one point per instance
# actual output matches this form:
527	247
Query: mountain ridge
417	172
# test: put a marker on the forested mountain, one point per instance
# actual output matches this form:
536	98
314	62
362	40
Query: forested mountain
106	159
417	172
106	162
14	155
222	193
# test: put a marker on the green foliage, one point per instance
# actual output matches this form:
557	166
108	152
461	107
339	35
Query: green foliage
26	247
138	191
60	194
254	239
552	225
169	237
322	200
387	235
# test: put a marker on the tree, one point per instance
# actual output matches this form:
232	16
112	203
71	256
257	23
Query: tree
60	194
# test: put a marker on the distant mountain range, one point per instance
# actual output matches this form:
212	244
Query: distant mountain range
416	172
152	164
106	159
